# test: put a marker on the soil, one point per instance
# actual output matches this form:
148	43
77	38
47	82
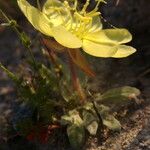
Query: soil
133	71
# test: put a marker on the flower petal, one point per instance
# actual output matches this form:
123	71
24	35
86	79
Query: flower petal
51	3
112	36
56	12
66	38
124	51
36	17
99	50
96	24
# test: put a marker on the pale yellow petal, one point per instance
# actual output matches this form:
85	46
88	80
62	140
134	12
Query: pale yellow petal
96	24
36	17
124	51
66	38
99	50
56	12
112	36
51	3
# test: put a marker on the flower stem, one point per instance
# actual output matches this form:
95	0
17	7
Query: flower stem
4	15
9	73
76	82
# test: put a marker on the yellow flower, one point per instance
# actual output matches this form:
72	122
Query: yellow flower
74	27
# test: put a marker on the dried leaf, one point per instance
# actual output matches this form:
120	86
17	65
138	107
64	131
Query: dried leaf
51	44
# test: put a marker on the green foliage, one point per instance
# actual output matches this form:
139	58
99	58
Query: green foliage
25	39
86	117
90	115
52	98
75	128
120	95
90	122
107	118
76	135
44	94
9	73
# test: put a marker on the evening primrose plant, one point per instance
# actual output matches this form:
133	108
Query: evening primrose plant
74	27
53	100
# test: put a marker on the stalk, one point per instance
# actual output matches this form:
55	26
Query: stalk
9	73
76	82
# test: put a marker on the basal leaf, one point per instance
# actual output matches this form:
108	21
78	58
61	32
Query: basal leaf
108	119
72	117
111	122
76	135
90	122
66	119
88	106
119	96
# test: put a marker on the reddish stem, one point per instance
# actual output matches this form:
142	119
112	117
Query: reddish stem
76	82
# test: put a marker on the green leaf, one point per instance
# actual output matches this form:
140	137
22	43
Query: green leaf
75	128
25	39
72	117
66	119
108	119
119	96
111	122
11	75
76	135
90	122
65	90
45	72
88	106
48	76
